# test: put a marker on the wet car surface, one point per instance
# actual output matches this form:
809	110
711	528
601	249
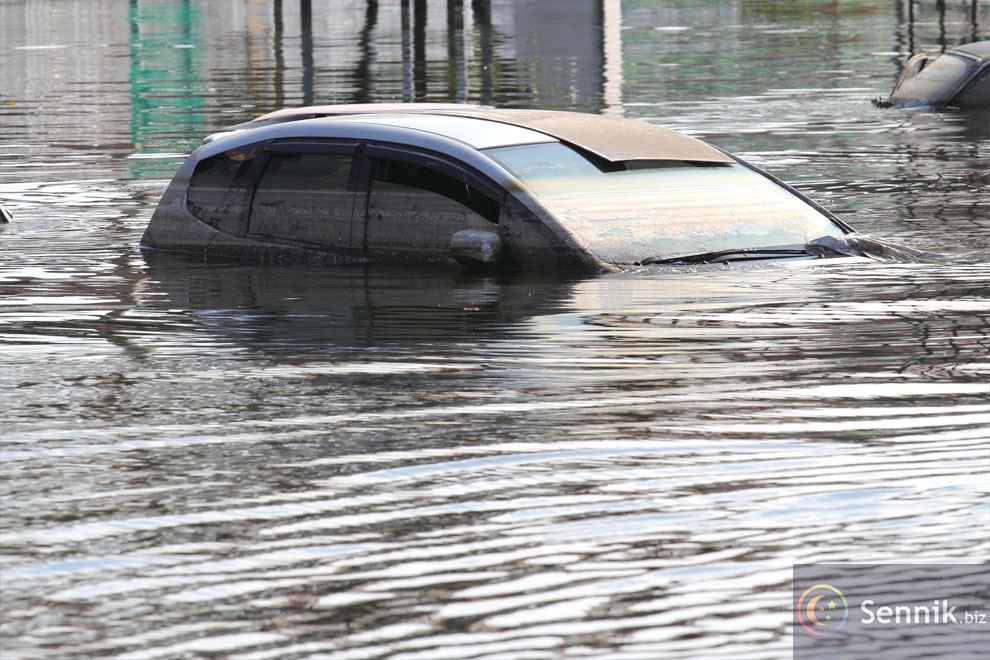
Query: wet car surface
209	459
958	78
526	189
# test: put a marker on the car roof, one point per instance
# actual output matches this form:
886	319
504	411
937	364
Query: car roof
611	138
363	109
462	129
979	49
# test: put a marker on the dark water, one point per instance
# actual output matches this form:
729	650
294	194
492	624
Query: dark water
223	459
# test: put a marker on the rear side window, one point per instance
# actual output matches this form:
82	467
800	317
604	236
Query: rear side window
416	176
305	198
218	192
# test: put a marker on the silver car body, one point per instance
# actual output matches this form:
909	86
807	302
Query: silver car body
455	140
959	77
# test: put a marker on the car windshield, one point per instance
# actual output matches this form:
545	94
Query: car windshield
662	208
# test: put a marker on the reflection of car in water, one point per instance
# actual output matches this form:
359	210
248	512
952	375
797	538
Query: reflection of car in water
296	307
519	189
958	78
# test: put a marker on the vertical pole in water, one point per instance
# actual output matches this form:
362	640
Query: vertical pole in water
974	22
482	10
306	21
898	35
612	56
406	54
362	70
910	4
456	59
279	80
419	49
940	5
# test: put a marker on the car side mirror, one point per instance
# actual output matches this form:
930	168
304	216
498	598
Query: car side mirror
474	248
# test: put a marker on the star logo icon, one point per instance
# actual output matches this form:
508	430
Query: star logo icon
822	610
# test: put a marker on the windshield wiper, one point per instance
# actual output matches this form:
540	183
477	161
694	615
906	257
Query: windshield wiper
705	257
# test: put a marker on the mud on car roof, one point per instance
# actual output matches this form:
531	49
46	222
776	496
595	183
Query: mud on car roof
612	138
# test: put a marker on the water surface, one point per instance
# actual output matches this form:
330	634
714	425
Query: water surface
260	462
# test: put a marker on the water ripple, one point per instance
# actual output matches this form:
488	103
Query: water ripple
220	459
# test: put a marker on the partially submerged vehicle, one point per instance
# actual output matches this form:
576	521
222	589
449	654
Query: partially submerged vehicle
520	189
958	78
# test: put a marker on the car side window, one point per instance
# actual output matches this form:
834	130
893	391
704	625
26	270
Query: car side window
218	192
414	209
412	175
304	198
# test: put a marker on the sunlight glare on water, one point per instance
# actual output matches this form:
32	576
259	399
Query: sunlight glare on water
222	459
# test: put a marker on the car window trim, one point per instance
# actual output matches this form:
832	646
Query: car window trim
437	162
311	145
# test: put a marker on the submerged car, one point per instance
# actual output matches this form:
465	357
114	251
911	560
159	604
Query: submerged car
959	78
520	189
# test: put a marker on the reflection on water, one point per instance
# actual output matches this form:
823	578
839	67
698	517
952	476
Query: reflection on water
263	462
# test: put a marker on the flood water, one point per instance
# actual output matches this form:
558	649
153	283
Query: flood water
206	459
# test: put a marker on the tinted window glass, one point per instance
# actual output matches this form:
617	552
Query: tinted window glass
666	208
217	190
306	172
977	95
304	198
416	176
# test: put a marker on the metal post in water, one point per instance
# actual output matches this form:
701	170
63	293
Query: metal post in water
306	20
974	22
910	4
407	94
612	56
940	5
278	25
899	38
482	10
419	49
362	71
456	60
